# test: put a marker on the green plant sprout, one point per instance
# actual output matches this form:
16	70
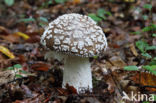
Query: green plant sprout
18	71
46	3
60	1
149	8
149	28
100	15
144	48
41	20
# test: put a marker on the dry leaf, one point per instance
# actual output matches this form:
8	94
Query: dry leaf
133	49
145	79
11	38
71	89
23	35
5	51
117	61
6	76
3	30
76	1
40	66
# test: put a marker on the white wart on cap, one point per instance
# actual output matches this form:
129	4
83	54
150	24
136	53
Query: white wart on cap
75	34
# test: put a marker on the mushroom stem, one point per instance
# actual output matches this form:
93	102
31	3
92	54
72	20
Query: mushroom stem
77	73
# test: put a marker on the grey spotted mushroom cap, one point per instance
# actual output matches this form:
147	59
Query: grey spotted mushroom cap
74	34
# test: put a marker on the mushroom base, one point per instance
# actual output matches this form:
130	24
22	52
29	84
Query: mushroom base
77	73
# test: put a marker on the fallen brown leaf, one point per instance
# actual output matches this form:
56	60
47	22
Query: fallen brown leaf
117	61
133	49
71	89
40	66
3	30
145	79
11	38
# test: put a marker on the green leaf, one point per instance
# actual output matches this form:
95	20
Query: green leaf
154	97
153	61
101	13
146	55
153	26
50	2
23	71
153	72
151	68
42	24
148	67
9	2
151	47
103	17
43	19
60	1
154	35
154	58
148	6
17	66
131	68
18	76
141	45
146	102
27	20
94	17
104	12
148	28
10	68
136	33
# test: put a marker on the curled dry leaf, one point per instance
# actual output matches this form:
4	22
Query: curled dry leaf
5	51
23	35
111	85
133	49
3	30
117	61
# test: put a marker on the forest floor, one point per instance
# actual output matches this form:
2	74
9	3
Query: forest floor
128	65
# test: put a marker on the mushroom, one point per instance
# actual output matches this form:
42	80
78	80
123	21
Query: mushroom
75	38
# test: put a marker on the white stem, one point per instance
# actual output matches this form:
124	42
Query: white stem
77	73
